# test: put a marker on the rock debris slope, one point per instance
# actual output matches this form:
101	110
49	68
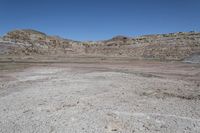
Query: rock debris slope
172	46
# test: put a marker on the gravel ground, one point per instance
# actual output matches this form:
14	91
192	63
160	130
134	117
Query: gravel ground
134	97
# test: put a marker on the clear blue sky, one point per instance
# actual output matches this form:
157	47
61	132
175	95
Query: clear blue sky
100	19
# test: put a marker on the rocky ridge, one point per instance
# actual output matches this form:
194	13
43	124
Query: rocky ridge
172	46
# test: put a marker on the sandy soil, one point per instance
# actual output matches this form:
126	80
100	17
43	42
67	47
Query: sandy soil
129	97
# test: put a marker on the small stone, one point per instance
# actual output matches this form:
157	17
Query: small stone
114	129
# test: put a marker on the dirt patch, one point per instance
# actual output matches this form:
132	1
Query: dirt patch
129	96
163	95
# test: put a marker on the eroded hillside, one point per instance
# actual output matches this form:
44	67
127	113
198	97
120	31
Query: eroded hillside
173	46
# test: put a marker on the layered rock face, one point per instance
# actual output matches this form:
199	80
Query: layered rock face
167	46
173	46
31	42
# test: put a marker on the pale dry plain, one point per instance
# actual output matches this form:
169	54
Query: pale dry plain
101	96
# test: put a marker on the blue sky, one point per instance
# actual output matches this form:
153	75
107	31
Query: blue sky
100	19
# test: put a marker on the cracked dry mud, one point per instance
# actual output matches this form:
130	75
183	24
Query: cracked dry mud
135	97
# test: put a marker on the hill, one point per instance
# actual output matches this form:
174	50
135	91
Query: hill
172	46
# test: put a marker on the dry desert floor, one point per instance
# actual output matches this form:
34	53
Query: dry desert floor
100	97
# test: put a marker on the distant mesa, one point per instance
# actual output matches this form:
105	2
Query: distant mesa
119	37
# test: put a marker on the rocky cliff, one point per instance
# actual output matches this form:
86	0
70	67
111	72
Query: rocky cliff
173	46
